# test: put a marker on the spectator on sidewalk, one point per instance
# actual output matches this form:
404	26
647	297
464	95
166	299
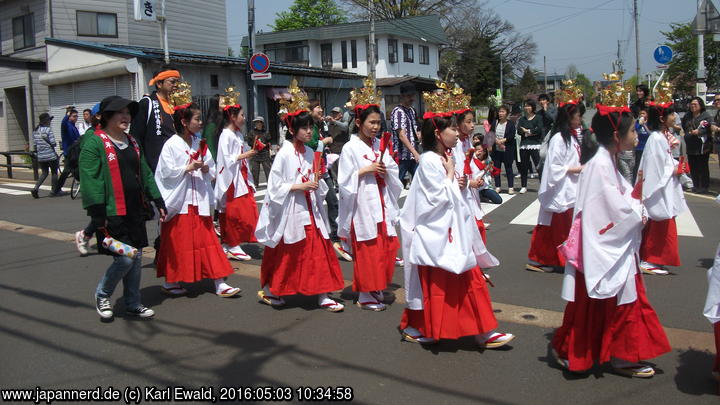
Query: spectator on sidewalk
262	158
47	157
338	130
86	123
405	133
69	134
696	124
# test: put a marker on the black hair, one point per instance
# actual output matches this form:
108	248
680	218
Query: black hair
562	122
644	89
73	111
543	97
304	119
657	116
700	101
87	110
507	110
364	114
603	127
532	104
588	147
429	140
228	114
184	114
105	117
460	117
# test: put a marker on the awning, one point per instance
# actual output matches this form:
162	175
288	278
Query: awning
277	93
109	69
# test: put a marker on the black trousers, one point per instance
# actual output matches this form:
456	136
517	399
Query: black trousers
506	158
525	156
332	204
63	176
700	171
47	167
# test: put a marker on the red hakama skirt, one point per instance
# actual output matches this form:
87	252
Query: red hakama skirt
596	330
237	223
660	243
189	249
454	305
483	231
374	260
307	267
546	239
716	366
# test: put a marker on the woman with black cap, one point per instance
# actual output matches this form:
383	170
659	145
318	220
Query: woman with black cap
117	182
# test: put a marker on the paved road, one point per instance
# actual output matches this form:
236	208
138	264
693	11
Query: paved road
51	336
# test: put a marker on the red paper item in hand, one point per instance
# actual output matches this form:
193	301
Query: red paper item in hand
202	150
683	166
259	146
468	159
385	142
317	165
637	190
495	171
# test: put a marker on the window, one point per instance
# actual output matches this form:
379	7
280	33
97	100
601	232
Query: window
326	57
353	53
424	55
343	48
23	32
408	53
92	24
392	51
289	52
214	81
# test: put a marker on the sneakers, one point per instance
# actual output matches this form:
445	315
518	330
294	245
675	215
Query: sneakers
511	191
81	243
35	194
103	307
236	253
517	176
141	312
533	175
523	190
497	190
342	252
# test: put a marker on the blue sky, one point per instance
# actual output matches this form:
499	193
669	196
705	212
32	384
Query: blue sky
582	32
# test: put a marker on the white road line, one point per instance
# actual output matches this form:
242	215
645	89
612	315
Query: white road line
13	192
686	224
31	186
488	207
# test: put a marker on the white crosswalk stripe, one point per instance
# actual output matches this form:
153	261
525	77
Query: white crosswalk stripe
26	186
686	224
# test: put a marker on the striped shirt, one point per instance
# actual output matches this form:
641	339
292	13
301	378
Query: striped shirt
404	118
43	138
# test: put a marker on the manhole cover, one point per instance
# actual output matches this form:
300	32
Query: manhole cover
529	317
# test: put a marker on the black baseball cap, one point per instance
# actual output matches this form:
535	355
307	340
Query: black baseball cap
45	117
117	103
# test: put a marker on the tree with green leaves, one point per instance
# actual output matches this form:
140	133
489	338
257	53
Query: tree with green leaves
586	85
392	9
683	67
527	86
309	13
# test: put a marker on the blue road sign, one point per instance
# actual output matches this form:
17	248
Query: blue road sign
259	63
663	54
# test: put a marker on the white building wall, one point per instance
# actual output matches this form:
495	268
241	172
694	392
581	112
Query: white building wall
65	19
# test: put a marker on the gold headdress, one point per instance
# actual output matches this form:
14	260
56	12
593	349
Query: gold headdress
569	94
446	100
663	95
615	96
230	98
298	100
365	97
182	96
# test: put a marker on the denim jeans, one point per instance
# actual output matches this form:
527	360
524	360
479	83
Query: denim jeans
125	269
491	195
49	167
407	166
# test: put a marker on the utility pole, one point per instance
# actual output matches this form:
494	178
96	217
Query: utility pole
502	90
249	82
163	27
545	73
701	27
637	41
371	47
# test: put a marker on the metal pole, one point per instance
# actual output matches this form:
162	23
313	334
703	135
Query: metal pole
163	26
249	83
502	90
371	47
637	41
545	73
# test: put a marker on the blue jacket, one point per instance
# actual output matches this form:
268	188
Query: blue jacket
69	134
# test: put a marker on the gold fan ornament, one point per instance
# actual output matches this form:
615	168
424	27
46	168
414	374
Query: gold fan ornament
298	100
181	98
362	98
230	98
570	93
446	100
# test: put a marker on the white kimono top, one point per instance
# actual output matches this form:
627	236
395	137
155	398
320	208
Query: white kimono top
610	223
712	302
284	213
230	145
558	188
471	195
662	192
438	228
359	203
179	188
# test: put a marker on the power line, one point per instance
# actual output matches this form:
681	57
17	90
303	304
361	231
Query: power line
566	7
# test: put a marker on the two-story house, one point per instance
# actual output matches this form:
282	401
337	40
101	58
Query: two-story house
25	25
407	51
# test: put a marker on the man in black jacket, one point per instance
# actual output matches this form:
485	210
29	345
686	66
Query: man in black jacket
153	123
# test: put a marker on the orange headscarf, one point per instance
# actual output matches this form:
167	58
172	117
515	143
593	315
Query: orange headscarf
164	75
